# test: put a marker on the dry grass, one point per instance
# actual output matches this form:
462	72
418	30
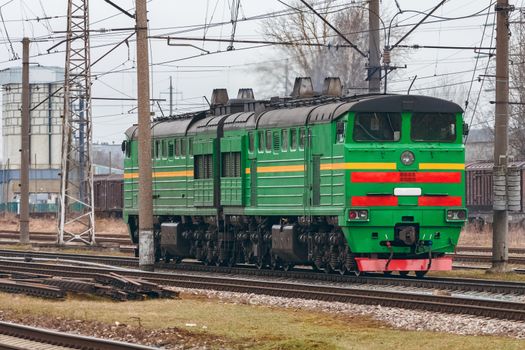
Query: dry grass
470	236
9	221
250	326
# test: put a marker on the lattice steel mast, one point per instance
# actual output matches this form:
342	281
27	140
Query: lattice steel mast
77	217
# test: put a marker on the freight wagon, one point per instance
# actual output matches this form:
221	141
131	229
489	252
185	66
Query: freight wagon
108	195
479	193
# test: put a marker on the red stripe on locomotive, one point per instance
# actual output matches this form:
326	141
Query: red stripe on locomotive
439	201
406	177
374	201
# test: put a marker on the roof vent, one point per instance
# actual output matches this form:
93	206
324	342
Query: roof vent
332	87
245	94
303	88
219	97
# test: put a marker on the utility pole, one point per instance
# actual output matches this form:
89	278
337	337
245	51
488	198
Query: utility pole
24	152
374	55
500	250
146	239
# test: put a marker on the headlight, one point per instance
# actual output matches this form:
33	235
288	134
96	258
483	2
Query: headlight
358	215
456	215
407	158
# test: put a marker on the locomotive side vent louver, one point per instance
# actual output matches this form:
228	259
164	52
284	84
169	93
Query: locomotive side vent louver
332	87
303	88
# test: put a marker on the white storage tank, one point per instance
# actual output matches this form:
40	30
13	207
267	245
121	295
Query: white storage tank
46	97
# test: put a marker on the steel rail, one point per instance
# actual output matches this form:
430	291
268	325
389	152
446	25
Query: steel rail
54	234
487	249
518	260
451	284
388	298
74	341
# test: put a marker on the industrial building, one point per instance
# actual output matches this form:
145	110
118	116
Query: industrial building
45	137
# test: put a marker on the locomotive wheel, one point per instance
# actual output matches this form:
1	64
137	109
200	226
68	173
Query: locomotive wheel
166	257
259	264
288	266
274	263
403	273
231	262
421	274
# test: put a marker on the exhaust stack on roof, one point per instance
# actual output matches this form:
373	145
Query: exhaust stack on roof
245	94
332	87
219	97
303	88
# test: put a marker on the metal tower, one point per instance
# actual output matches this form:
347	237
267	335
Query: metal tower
77	217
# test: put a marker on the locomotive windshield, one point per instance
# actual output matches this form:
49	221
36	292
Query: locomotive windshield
377	127
433	127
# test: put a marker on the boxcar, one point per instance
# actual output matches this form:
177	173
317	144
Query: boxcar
479	193
108	195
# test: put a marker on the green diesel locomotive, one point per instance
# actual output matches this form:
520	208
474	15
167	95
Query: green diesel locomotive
363	183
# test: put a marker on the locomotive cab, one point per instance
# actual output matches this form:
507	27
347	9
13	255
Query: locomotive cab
406	193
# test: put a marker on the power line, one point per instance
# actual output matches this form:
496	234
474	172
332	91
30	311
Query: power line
354	46
417	25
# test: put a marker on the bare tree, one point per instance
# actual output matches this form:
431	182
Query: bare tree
448	89
302	26
517	89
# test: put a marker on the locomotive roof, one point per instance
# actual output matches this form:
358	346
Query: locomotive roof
303	115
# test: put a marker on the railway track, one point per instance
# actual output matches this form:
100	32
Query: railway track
449	284
479	258
124	243
17	337
473	249
386	297
353	293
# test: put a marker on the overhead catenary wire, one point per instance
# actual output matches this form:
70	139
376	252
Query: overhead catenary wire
354	46
417	25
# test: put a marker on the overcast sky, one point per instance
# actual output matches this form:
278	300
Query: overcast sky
196	77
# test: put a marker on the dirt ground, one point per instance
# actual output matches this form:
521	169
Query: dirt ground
9	221
470	236
196	322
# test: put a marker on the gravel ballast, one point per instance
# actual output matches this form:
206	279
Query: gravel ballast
397	318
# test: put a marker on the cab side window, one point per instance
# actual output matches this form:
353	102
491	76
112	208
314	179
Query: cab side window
284	140
293	137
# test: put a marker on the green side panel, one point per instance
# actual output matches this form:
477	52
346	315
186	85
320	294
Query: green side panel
231	191
316	180
231	144
203	192
253	183
203	146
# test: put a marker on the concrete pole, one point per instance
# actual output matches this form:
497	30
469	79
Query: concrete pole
374	55
24	152
500	250
146	238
